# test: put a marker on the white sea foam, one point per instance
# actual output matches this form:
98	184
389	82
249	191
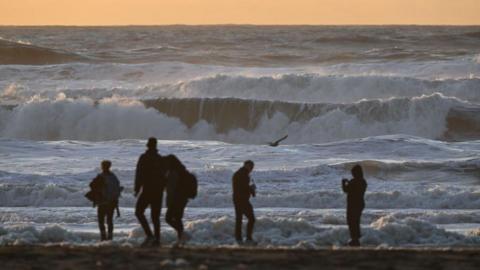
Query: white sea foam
476	58
293	232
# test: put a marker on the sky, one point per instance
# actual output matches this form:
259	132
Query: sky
161	12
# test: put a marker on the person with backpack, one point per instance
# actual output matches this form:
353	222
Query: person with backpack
242	190
150	182
106	189
181	186
355	190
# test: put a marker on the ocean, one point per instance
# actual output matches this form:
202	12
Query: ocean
402	101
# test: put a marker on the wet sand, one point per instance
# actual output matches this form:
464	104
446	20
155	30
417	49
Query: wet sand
58	257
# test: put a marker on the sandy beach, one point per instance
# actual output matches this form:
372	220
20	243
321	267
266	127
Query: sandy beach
58	257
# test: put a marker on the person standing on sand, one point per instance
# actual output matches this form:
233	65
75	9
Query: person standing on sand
242	190
355	190
149	185
108	188
181	186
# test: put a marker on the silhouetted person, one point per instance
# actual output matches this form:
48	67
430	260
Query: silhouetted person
149	183
108	191
178	193
277	142
355	190
242	190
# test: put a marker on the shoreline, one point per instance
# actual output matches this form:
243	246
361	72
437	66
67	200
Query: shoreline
108	257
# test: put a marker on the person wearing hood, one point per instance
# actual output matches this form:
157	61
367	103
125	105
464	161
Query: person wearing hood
355	189
177	197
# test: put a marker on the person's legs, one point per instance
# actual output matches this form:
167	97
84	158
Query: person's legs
142	204
101	222
356	224
170	217
353	221
238	222
174	216
350	223
110	210
251	220
156	208
180	211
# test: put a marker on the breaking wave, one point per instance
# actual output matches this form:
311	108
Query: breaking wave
235	120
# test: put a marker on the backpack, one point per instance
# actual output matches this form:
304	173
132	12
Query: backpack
189	180
95	194
191	184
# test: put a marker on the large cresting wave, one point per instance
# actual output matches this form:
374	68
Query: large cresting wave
236	120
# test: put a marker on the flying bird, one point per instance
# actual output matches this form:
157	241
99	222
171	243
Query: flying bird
277	142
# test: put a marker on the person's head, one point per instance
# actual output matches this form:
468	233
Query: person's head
106	164
248	164
152	143
357	171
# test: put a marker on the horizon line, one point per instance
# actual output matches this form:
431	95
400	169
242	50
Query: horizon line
219	24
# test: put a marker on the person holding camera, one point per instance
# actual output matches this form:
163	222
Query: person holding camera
355	190
242	190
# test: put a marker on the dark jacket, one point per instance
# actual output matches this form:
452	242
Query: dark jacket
355	190
175	181
105	188
111	191
241	186
150	174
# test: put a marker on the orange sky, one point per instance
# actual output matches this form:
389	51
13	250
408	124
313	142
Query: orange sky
145	12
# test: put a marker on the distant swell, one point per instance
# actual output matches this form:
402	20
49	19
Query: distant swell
317	88
12	53
76	82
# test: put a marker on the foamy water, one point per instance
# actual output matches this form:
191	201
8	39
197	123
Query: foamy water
405	108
